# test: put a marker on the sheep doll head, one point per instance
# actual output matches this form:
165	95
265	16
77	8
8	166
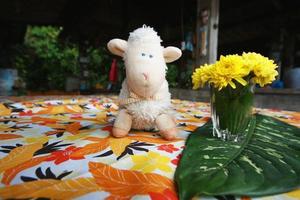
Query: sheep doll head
145	88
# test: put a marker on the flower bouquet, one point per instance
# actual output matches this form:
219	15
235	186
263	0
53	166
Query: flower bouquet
232	80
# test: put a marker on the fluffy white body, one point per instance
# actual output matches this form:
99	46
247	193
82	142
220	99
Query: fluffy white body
145	112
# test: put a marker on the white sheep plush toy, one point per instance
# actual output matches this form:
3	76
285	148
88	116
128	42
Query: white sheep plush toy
145	100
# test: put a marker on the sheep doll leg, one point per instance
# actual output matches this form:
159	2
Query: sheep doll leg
122	124
167	126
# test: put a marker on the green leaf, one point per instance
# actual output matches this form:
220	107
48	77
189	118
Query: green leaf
267	162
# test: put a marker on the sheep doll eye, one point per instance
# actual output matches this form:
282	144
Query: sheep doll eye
150	56
143	54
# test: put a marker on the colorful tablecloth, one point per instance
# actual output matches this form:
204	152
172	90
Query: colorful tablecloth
62	149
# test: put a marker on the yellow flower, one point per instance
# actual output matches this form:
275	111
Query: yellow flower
202	75
264	69
222	73
229	68
150	162
232	69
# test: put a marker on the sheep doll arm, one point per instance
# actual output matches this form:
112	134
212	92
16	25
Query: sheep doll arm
145	100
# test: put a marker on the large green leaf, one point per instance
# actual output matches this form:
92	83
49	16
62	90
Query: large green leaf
266	162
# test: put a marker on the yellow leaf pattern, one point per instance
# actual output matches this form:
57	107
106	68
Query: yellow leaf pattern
4	110
118	145
150	162
18	156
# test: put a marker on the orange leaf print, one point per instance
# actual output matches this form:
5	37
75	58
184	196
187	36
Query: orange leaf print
74	128
9	136
191	120
92	148
9	174
26	189
49	188
124	184
19	155
166	195
54	132
56	126
118	145
43	120
189	127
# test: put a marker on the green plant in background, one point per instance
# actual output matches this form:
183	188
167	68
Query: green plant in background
177	79
100	61
186	77
99	66
44	62
121	72
172	74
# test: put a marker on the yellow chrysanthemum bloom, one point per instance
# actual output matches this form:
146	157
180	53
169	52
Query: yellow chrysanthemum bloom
230	68
263	68
234	68
202	75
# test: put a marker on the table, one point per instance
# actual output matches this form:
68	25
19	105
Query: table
61	148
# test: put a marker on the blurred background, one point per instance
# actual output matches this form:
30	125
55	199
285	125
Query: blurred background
59	46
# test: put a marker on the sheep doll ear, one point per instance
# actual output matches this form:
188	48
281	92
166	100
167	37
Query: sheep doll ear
171	54
117	46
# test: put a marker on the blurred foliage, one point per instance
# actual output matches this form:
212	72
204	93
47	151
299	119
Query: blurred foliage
99	66
180	78
186	80
44	62
172	75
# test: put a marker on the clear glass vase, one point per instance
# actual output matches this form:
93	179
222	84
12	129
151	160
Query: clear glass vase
231	111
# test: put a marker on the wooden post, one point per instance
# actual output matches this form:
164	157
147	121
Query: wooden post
213	31
207	31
